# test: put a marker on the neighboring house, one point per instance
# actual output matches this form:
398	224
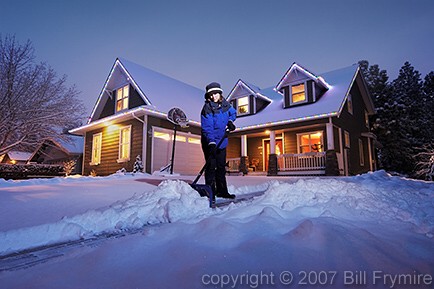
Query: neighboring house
15	157
306	124
129	119
57	152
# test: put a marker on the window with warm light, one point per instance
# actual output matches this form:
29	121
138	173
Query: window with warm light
350	103
298	93
347	139
122	98
124	143
243	105
361	153
310	142
96	149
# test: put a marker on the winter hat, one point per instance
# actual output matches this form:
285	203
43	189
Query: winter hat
213	87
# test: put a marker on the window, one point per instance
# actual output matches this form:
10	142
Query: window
347	139
310	142
350	103
96	149
366	119
243	105
122	98
361	153
124	144
298	93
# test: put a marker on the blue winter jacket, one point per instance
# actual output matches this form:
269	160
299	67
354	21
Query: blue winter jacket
214	118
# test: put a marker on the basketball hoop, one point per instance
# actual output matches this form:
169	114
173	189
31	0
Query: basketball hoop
178	118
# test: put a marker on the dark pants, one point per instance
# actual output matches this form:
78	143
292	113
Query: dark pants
215	172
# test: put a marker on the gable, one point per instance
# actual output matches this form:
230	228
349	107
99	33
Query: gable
247	99
148	88
299	86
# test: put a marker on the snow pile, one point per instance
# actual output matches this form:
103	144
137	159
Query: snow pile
374	197
170	202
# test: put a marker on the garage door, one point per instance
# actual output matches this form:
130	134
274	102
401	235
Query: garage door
188	152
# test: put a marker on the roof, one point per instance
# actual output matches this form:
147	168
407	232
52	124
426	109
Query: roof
330	104
159	92
19	156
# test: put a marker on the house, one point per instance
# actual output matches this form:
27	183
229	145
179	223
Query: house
129	119
57	152
304	125
15	157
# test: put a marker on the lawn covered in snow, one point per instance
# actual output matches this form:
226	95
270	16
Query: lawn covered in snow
373	230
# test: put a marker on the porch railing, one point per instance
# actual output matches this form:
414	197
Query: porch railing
302	162
233	164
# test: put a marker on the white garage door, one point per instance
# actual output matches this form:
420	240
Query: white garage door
188	152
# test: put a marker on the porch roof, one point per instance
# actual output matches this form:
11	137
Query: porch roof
330	104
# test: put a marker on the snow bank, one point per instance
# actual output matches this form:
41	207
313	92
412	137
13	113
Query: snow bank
169	202
375	197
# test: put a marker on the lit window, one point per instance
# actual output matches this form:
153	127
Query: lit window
180	138
243	105
361	153
366	119
350	103
347	139
122	98
194	140
162	135
298	93
124	143
96	149
310	142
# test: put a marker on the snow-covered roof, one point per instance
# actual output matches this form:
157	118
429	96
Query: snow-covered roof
74	144
19	156
160	92
330	104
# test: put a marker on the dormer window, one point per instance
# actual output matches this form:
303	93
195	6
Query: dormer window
122	98
298	93
243	105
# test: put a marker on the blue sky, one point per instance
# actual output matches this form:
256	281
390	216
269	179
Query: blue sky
199	41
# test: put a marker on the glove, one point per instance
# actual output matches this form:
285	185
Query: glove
212	149
231	126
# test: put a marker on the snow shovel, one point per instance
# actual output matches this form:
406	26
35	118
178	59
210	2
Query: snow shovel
202	189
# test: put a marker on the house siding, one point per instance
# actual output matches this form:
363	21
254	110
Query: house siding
355	124
110	148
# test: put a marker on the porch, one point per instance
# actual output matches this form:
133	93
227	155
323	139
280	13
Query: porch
312	163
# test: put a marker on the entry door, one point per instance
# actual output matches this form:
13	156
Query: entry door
266	152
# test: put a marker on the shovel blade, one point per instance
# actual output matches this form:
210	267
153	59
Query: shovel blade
205	191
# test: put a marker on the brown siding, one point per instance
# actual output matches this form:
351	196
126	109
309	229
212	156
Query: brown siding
110	148
234	148
355	125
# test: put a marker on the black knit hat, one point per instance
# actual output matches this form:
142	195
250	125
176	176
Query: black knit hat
213	87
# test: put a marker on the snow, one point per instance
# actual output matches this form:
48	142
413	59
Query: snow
313	229
330	102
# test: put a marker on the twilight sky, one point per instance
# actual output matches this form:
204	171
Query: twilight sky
199	41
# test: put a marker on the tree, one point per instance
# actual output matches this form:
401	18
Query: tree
34	103
380	91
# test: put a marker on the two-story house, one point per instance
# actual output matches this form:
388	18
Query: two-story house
306	124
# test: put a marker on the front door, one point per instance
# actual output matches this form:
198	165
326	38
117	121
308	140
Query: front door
266	151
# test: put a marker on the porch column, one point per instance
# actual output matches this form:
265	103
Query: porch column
272	157
272	142
330	136
244	160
